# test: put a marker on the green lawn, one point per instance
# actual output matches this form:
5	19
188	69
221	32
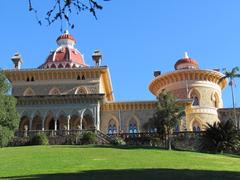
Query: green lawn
103	163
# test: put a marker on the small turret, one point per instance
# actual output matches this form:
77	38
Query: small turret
97	57
17	60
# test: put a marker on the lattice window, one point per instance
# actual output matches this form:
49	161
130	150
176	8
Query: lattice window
133	126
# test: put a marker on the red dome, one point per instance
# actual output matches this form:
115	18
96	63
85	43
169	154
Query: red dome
186	63
65	56
66	36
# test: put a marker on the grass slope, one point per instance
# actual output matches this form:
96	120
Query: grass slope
89	162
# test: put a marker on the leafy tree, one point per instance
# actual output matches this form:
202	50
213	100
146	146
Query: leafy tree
62	9
220	137
231	75
167	116
8	114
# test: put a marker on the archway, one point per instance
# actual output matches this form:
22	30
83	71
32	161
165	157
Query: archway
24	122
37	123
195	95
196	126
87	120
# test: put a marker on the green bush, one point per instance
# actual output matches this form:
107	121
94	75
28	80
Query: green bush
5	136
73	139
39	139
118	141
20	141
89	138
220	137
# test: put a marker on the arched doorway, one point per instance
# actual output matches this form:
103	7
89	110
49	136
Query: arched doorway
87	120
24	122
36	123
51	125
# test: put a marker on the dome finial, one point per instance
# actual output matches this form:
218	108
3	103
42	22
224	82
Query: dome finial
186	55
66	31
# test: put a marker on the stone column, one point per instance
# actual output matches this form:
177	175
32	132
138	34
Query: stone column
81	118
98	116
43	124
55	124
68	123
30	124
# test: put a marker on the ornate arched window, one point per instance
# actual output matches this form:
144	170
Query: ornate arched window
196	126
132	127
54	91
29	92
81	90
195	97
112	128
215	100
60	66
53	66
67	65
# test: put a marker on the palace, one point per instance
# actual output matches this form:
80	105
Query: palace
66	93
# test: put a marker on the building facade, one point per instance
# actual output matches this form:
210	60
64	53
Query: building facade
66	93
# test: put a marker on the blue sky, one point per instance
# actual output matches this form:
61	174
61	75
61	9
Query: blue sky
135	37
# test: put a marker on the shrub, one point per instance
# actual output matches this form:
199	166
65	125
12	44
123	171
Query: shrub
20	141
118	141
73	139
39	139
5	135
220	137
89	138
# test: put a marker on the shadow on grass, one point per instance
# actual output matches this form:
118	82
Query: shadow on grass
138	174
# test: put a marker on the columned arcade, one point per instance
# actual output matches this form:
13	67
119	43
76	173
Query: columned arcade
61	114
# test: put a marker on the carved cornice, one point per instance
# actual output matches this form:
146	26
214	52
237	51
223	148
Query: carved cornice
59	99
186	75
139	105
14	75
135	105
202	110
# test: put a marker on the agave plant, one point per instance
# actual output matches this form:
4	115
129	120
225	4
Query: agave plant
220	137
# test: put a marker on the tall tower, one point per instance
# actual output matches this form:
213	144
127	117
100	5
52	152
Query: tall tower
199	86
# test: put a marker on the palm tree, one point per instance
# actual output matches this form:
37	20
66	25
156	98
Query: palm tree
231	75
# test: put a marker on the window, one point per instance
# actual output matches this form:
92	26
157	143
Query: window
67	66
112	129
81	90
133	127
60	66
195	101
28	92
54	91
53	66
195	97
196	126
215	100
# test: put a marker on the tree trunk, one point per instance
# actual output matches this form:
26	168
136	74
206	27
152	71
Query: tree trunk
233	101
169	143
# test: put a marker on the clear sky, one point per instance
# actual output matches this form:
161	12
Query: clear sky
135	37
